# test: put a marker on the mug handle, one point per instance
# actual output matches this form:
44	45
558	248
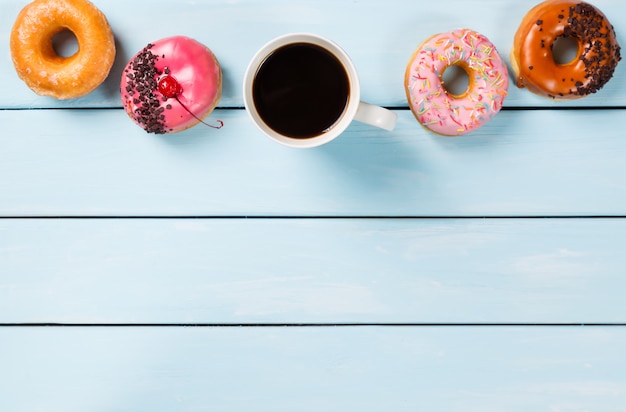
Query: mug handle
376	116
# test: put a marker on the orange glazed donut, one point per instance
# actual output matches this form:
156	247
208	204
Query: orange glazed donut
36	61
595	61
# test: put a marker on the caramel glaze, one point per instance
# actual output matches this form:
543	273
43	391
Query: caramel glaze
594	64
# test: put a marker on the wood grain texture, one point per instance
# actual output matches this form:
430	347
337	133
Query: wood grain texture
286	237
313	369
312	271
523	163
380	37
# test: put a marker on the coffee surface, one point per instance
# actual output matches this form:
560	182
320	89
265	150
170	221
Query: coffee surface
301	90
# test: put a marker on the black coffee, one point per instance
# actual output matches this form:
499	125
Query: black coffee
301	90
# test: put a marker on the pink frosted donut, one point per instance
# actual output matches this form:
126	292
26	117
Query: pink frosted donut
441	111
171	84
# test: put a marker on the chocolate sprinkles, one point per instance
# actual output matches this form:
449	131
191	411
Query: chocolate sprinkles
601	52
141	90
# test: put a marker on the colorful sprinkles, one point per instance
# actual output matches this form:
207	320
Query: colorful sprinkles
431	103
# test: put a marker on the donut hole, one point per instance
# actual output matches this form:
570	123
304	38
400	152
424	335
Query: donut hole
65	43
564	50
455	80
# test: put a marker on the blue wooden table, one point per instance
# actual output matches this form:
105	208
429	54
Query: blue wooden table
219	271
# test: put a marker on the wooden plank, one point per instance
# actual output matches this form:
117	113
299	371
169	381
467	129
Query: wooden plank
235	30
312	271
523	163
465	369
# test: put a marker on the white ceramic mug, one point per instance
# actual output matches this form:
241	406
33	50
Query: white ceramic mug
351	108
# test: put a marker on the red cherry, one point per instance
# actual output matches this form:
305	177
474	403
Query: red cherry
169	87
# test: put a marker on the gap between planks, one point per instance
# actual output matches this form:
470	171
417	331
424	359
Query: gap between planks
299	325
307	217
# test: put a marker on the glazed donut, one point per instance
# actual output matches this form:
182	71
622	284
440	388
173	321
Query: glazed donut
441	111
36	61
594	64
171	85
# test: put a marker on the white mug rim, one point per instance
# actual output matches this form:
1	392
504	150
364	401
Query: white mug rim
302	37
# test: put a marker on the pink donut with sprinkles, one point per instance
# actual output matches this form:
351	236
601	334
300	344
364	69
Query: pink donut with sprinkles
441	111
171	85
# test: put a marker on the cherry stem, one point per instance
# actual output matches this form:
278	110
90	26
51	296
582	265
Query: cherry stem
220	123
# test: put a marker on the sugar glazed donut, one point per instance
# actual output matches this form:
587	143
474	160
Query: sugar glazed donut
38	64
596	59
171	85
441	111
